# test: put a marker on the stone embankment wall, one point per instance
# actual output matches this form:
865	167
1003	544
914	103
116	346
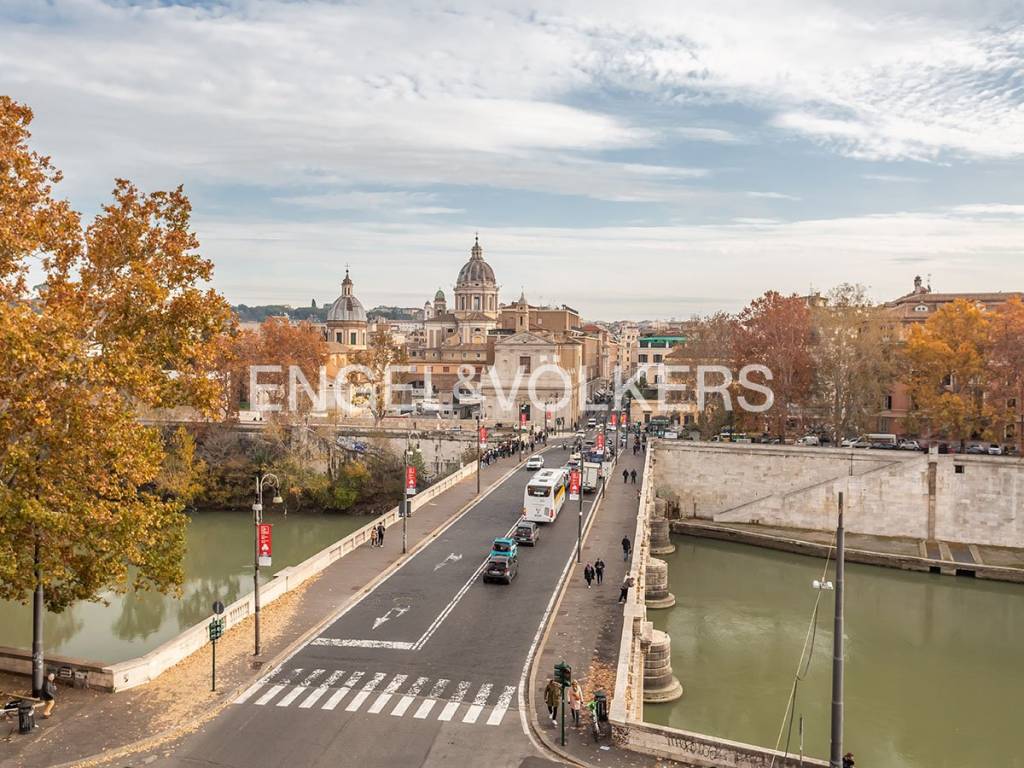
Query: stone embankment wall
969	499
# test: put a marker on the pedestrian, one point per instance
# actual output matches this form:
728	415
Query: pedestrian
632	476
380	534
588	574
575	701
599	570
626	547
373	536
49	695
625	475
552	695
848	760
624	590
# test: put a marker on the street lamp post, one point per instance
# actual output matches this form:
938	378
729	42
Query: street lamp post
479	436
263	480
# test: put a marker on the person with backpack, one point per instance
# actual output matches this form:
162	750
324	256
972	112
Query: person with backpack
588	574
599	570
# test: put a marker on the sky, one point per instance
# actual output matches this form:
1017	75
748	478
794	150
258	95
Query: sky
633	160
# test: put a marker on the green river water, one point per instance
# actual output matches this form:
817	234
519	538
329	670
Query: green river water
935	664
218	565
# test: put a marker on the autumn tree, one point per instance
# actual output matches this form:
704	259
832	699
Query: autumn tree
775	331
122	320
1006	368
854	361
371	381
276	343
948	371
709	341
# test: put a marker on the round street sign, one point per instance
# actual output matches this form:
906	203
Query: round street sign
218	607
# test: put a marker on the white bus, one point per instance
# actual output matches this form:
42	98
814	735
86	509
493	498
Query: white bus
544	496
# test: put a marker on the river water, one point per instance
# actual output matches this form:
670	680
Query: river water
218	566
935	664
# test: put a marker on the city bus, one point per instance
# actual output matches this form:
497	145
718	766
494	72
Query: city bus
544	496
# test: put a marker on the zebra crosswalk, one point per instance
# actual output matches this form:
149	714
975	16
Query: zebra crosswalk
441	699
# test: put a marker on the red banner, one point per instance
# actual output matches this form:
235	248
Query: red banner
614	419
600	440
625	418
522	418
574	482
483	435
264	542
410	480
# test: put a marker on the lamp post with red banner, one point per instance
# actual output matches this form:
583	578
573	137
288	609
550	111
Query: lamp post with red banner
481	442
576	492
263	549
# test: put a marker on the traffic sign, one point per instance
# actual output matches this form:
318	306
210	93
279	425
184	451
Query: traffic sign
264	543
218	607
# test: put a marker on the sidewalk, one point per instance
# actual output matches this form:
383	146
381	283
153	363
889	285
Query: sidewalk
588	623
88	723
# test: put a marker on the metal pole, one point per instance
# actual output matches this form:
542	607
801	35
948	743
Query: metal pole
836	755
579	523
256	517
478	452
405	498
563	714
37	625
213	668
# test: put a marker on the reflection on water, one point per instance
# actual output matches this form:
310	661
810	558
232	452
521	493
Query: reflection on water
218	566
935	665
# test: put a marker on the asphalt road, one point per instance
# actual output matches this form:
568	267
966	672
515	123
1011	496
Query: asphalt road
426	670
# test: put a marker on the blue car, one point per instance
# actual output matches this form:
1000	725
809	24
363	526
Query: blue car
503	547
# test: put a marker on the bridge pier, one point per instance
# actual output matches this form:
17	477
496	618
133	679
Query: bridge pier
656	594
660	685
661	541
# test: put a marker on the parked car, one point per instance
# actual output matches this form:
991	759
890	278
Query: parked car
535	462
909	445
527	533
977	450
501	568
808	440
580	434
995	450
591	423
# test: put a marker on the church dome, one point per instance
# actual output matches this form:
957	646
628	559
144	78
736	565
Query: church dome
439	296
346	308
476	270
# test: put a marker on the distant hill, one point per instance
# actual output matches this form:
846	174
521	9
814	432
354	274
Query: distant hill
394	313
247	314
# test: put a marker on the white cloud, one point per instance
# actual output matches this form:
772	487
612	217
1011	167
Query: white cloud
891	178
990	209
734	261
772	195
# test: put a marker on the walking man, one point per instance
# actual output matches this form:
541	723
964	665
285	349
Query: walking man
588	574
552	695
632	476
380	534
626	547
625	475
624	590
599	571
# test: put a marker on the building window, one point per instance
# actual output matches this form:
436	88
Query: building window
887	405
643	358
352	338
524	363
338	337
958	468
1011	402
476	303
657	358
444	369
921	308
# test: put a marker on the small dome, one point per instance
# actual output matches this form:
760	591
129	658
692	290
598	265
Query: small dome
476	270
346	308
439	296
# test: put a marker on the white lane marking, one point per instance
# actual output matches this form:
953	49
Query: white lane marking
276	689
342	692
398	610
452	558
301	688
502	706
321	689
473	713
455	600
385	697
252	689
336	643
363	695
453	703
410	695
433	696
